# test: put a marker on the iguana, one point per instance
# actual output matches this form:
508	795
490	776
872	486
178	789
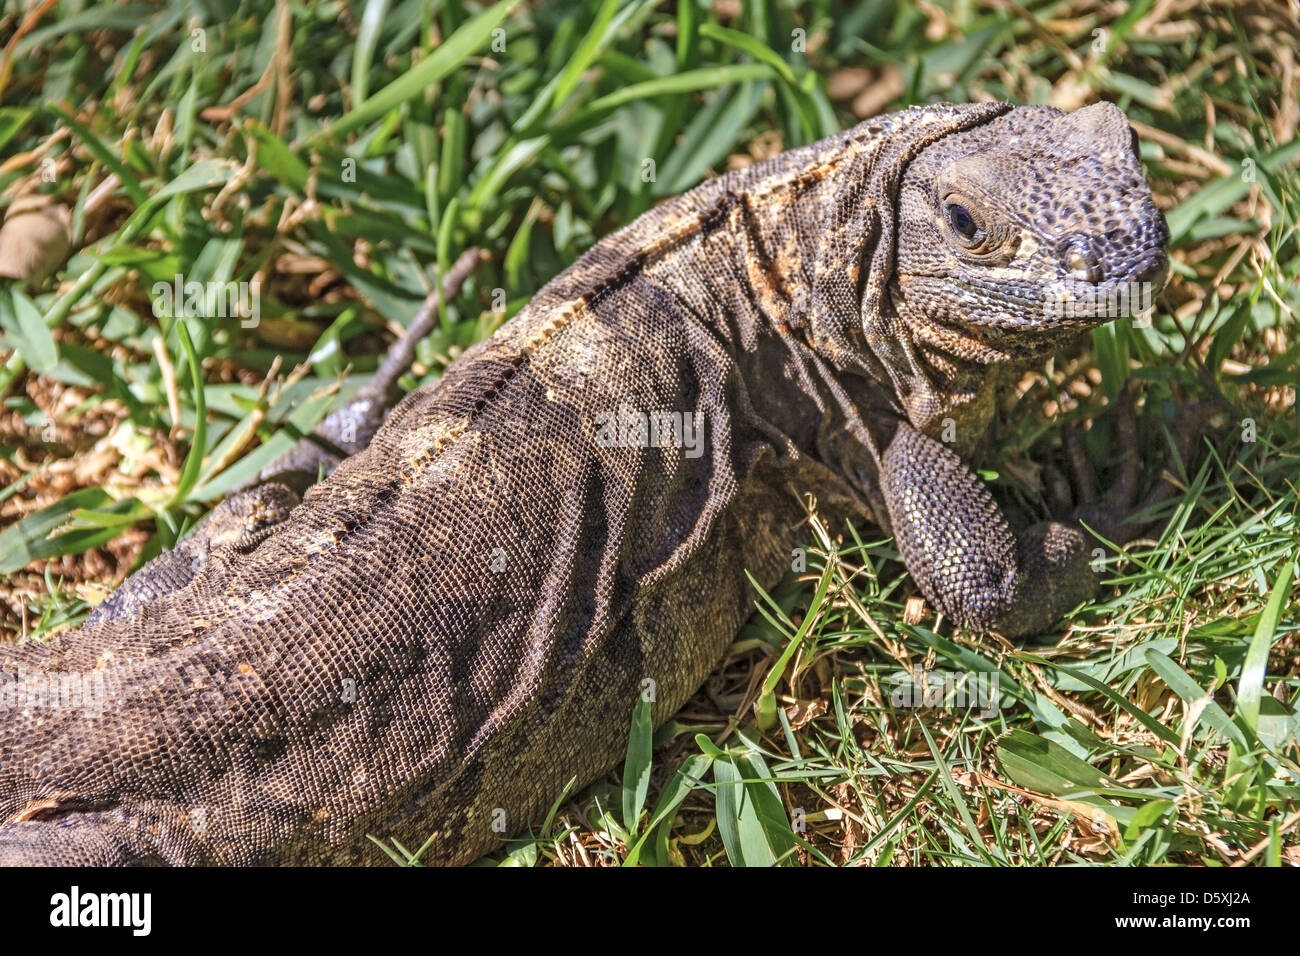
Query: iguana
461	617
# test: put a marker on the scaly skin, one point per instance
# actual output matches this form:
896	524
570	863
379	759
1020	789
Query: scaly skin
461	617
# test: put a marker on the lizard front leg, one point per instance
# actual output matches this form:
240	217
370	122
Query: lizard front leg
962	552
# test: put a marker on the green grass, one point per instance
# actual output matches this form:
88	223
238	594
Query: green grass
341	153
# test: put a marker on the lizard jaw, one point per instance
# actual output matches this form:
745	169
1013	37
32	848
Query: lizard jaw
1066	303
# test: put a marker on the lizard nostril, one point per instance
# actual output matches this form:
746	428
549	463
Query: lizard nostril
1080	259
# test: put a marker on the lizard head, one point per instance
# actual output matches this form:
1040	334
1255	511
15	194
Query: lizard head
1020	232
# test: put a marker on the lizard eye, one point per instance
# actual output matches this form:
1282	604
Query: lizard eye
962	222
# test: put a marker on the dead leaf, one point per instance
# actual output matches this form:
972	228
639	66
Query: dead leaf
914	610
803	711
35	239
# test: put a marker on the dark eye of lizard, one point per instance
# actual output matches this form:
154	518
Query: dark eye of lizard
962	222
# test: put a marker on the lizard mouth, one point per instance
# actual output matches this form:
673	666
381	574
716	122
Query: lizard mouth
1063	303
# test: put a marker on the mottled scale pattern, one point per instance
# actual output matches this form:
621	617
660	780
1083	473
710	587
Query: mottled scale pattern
461	618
